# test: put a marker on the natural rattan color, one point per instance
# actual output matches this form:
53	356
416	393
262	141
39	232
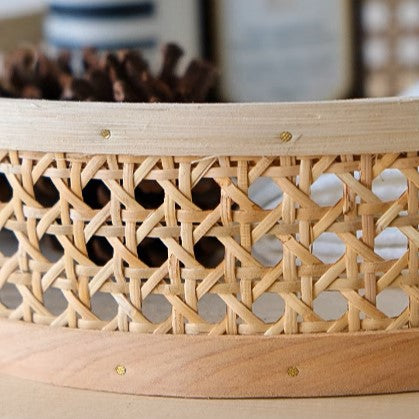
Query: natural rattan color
236	222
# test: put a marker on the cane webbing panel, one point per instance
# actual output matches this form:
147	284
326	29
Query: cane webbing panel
203	251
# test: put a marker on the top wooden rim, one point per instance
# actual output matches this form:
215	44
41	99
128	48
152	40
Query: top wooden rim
317	128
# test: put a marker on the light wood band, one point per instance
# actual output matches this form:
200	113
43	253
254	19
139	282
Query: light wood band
317	128
222	367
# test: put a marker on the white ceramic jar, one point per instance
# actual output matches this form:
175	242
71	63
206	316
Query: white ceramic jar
101	23
114	24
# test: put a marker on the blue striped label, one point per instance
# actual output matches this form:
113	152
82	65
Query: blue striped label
146	8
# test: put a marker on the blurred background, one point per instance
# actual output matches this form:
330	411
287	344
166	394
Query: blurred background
265	50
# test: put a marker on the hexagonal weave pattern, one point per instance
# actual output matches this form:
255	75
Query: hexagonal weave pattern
118	293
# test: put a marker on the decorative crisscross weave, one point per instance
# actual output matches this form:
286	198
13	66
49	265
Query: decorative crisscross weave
127	280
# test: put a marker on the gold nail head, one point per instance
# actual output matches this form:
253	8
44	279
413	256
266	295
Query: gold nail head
293	371
120	370
285	136
106	134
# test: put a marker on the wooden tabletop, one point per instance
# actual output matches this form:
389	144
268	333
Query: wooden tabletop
26	399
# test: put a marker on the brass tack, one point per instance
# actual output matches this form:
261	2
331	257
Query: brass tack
120	370
293	371
285	136
106	134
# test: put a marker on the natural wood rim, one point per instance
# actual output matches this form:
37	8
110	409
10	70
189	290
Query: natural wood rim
317	128
218	367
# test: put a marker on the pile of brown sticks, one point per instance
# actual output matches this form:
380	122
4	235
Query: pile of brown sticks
120	76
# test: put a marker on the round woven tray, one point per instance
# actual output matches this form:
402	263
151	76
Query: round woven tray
230	325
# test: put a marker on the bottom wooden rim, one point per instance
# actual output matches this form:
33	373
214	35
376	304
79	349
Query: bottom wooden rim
213	367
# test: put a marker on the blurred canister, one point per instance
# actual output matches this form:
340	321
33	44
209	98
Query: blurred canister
270	50
113	24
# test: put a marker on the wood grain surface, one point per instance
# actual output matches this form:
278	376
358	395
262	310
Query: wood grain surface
361	126
213	367
25	399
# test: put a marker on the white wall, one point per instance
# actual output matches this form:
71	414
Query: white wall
20	7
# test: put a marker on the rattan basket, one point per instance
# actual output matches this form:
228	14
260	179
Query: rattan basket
67	321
